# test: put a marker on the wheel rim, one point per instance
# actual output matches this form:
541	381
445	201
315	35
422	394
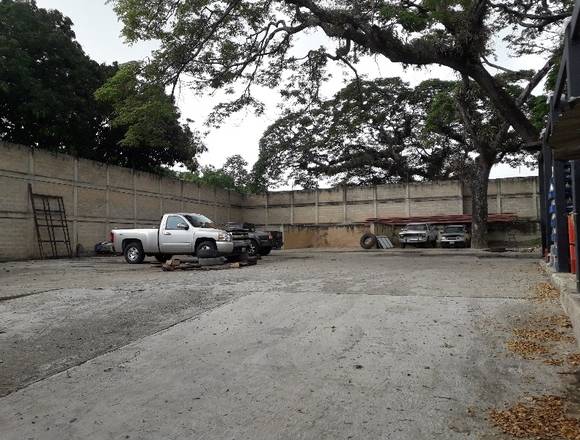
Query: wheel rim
205	247
133	253
252	249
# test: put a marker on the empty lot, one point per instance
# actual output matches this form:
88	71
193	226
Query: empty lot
311	345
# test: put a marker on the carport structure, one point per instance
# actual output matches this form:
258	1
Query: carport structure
559	165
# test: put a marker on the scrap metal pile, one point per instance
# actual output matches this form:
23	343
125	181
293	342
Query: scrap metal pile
214	263
442	219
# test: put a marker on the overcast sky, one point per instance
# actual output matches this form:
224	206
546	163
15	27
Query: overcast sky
98	31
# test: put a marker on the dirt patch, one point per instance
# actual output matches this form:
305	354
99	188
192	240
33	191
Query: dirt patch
544	417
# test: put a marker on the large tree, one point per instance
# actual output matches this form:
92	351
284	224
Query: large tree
370	132
46	81
218	42
468	116
384	131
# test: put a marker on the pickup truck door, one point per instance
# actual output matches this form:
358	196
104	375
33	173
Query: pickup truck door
175	236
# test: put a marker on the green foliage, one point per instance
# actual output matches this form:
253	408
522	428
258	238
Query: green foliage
370	132
539	109
46	81
232	176
149	119
47	98
238	45
382	131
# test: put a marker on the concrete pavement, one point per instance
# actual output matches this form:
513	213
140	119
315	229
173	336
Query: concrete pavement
333	346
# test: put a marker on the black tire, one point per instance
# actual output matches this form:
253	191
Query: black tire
134	253
368	241
162	258
218	261
253	248
206	249
207	253
265	251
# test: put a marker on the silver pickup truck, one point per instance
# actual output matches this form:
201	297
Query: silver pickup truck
178	234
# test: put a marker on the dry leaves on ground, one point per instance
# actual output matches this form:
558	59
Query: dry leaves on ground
559	320
542	335
555	362
546	292
525	348
574	359
539	417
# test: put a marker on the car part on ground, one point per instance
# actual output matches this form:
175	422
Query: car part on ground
384	242
104	248
368	241
219	263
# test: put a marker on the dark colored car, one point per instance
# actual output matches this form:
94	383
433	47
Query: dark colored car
260	242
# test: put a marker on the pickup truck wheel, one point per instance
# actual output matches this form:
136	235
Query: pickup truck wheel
253	248
134	253
205	245
163	258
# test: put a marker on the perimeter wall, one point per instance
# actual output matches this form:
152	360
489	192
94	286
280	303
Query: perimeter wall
97	198
100	197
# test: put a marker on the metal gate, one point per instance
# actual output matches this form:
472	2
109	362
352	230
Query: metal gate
51	225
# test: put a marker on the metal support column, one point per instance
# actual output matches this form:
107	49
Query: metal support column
576	201
543	207
563	243
547	177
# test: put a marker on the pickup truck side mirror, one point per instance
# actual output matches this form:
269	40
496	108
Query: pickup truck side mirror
182	226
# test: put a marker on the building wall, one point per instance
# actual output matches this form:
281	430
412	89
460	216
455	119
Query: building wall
97	198
101	197
348	205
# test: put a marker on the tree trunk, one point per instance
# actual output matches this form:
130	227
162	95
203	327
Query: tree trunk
479	209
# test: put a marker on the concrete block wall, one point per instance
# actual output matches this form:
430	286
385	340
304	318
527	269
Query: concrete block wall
351	205
97	198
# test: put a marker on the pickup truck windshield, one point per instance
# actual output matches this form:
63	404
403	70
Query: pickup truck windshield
199	221
453	229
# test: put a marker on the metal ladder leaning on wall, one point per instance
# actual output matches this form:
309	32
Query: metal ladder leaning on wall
51	225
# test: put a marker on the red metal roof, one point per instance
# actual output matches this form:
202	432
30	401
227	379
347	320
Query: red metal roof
443	219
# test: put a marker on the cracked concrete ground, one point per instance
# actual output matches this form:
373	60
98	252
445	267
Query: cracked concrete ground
305	345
